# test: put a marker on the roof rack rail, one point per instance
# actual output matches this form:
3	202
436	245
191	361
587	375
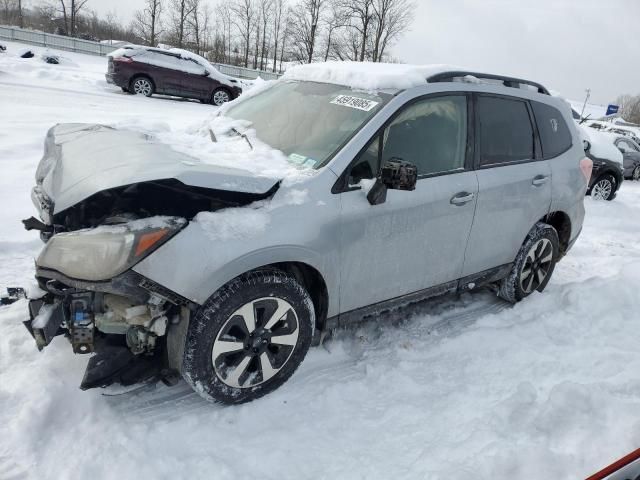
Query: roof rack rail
506	81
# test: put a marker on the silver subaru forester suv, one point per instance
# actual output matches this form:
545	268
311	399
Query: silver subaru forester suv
161	265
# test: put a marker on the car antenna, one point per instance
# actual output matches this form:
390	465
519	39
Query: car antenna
235	130
213	136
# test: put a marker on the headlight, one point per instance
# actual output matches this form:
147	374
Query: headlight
102	253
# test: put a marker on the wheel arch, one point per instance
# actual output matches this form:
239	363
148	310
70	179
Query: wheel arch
562	224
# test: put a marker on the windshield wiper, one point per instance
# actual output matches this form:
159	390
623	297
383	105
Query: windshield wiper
237	132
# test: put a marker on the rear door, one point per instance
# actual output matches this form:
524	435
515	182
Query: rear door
415	239
514	181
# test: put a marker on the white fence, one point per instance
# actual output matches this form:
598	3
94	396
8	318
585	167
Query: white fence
95	48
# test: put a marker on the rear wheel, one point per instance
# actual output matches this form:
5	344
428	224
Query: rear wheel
604	187
249	337
142	86
636	174
220	96
534	264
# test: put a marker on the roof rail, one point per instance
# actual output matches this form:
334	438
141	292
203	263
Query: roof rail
506	81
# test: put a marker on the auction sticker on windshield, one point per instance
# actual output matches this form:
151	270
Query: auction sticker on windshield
354	102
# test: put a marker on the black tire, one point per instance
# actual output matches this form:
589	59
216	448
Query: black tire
218	96
635	175
604	188
218	324
142	85
533	257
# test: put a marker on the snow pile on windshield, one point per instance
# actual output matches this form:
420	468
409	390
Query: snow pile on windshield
602	145
173	58
367	75
225	142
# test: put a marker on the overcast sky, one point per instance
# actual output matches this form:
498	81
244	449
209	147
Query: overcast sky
567	45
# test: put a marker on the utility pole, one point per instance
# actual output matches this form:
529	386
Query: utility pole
585	102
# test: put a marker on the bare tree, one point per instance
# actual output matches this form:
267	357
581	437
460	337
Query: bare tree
147	22
199	23
361	15
336	18
244	14
629	108
266	7
180	10
70	10
279	16
304	28
391	19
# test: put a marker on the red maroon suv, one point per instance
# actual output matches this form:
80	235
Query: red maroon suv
176	72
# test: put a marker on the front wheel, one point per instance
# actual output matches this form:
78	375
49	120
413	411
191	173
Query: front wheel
220	96
249	337
534	264
604	188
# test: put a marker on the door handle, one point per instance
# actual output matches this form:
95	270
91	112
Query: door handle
539	180
462	198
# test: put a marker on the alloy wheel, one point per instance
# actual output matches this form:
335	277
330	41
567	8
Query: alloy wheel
536	265
142	86
220	97
255	342
602	189
636	174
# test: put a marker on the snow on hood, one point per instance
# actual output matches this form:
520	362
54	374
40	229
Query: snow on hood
368	76
83	159
230	149
602	144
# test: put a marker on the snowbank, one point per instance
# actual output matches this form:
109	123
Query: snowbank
367	75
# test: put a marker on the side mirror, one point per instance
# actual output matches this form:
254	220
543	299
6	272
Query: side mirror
395	174
586	145
206	73
622	149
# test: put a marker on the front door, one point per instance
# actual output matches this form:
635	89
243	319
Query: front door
415	239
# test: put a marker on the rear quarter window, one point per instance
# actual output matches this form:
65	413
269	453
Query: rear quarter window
555	135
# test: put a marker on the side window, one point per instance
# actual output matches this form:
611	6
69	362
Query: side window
554	132
505	131
632	147
431	133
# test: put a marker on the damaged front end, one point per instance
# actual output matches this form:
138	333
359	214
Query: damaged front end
113	312
106	200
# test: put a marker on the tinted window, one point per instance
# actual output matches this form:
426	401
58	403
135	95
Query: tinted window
505	131
432	134
554	132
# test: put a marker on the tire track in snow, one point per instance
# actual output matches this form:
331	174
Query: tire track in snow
335	363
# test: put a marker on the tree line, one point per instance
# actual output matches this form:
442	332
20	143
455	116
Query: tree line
262	34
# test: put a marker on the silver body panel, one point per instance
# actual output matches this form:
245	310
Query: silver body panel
365	254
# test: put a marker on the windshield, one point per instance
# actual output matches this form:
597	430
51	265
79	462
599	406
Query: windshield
307	121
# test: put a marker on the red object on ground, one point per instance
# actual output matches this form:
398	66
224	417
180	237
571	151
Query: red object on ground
614	467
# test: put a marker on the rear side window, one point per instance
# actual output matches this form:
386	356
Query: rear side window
505	131
554	132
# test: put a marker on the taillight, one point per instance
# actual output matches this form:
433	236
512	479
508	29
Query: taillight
586	167
123	59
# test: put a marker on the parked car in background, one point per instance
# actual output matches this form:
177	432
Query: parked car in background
631	157
176	72
410	182
608	169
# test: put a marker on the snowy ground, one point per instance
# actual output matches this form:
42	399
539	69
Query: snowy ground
458	389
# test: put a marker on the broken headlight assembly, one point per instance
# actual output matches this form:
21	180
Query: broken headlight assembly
102	253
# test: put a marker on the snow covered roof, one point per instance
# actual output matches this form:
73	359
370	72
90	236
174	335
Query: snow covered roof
368	75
